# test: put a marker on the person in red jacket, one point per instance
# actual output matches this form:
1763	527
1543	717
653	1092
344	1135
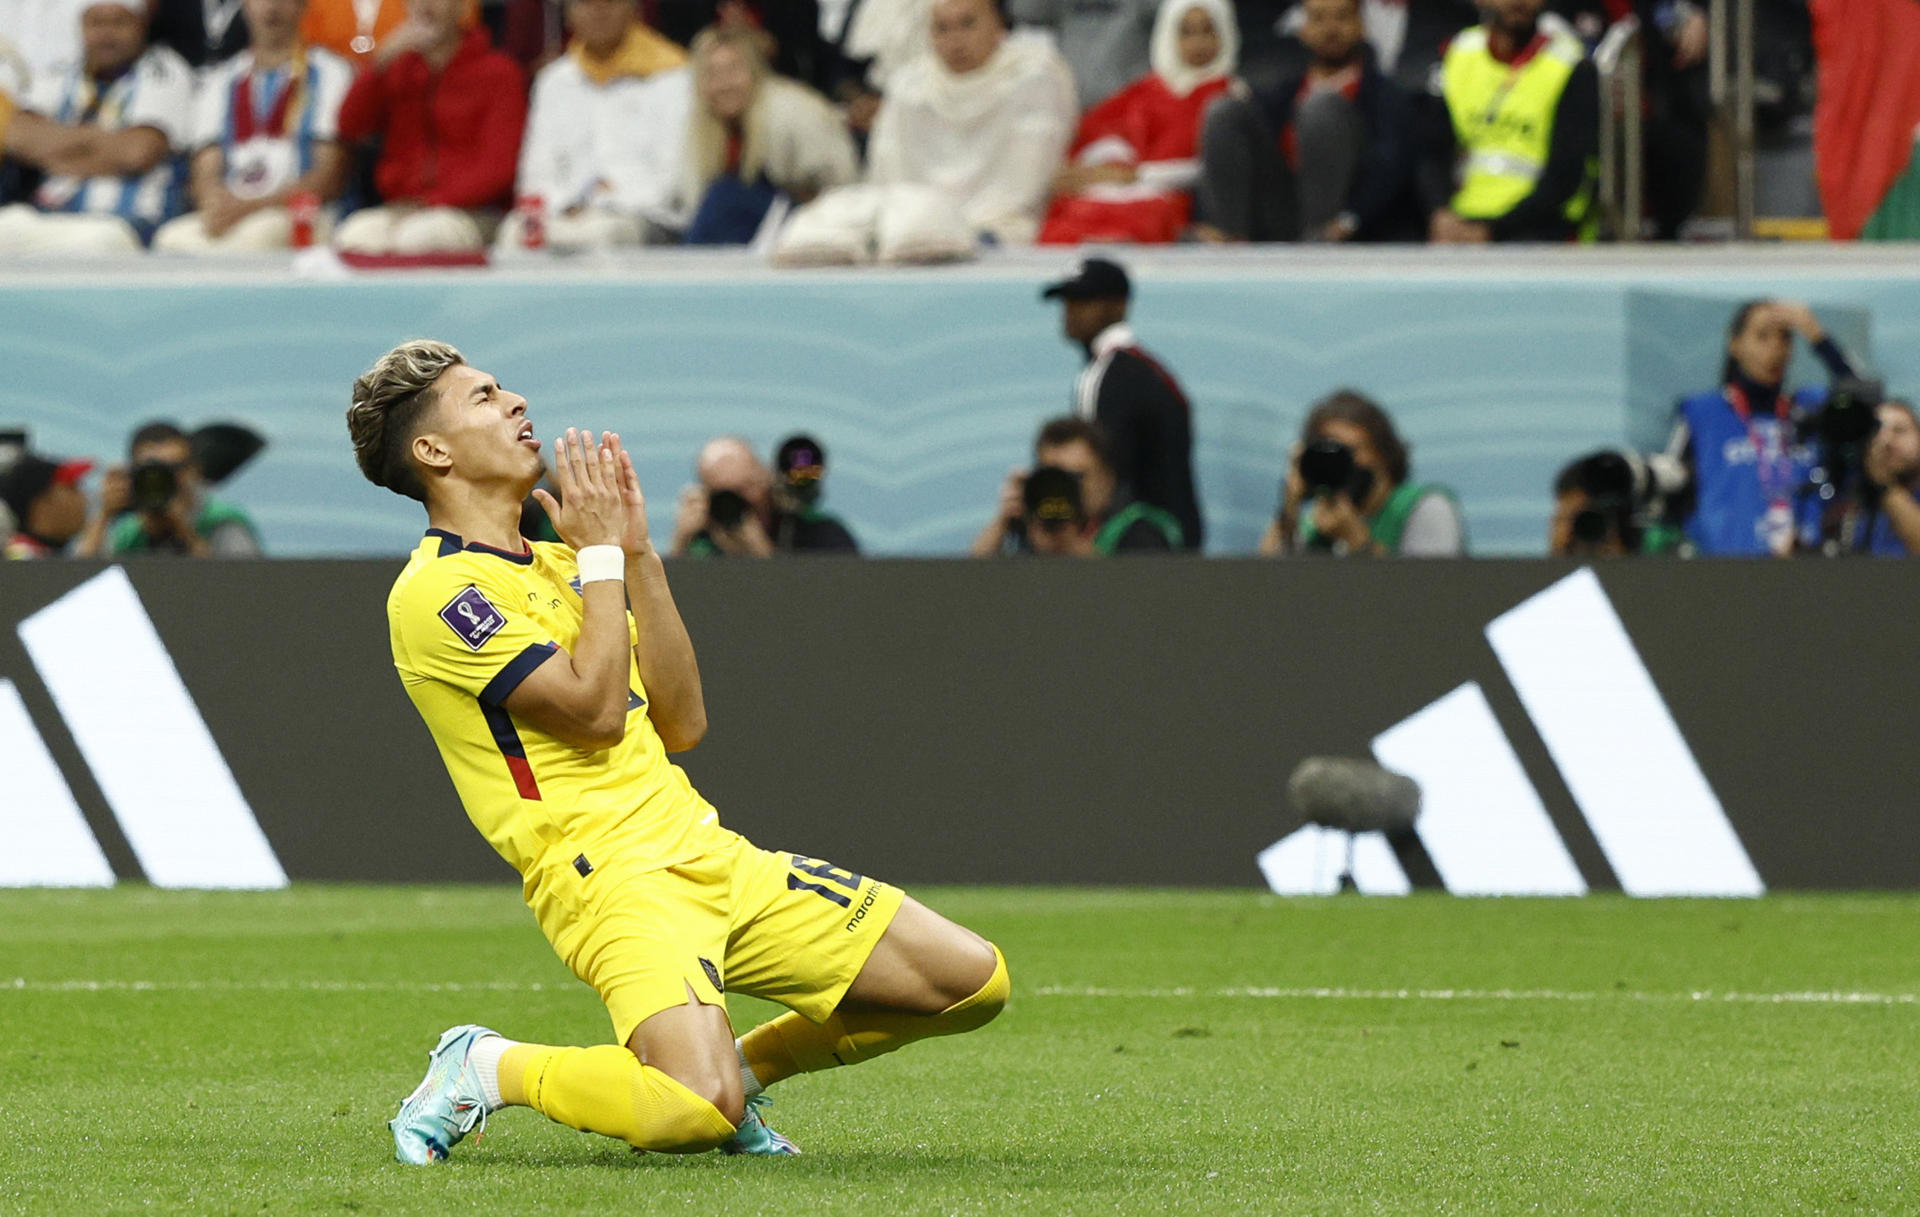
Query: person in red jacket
450	110
1136	156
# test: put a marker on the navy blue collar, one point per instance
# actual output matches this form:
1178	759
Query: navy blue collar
451	544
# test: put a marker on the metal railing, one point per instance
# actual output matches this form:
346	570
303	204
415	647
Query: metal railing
1730	35
1622	185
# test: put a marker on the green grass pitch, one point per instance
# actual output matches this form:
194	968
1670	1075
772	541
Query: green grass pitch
1166	1053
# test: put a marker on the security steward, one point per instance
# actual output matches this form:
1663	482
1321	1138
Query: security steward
1517	156
1130	396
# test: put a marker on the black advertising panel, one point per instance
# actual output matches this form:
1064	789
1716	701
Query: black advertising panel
1706	728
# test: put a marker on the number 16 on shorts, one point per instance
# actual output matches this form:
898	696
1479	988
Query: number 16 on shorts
839	886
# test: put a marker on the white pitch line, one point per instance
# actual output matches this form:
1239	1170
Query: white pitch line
1805	998
1812	997
22	984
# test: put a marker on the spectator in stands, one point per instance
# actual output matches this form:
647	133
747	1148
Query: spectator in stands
1516	139
787	32
267	131
1101	521
1139	406
1406	36
1892	527
158	504
448	110
1323	153
105	134
606	134
1136	157
46	505
1740	444
1674	92
200	31
44	39
738	509
879	38
1349	491
964	149
755	137
1105	42
352	29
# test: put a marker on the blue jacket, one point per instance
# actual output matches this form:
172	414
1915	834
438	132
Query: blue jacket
1730	499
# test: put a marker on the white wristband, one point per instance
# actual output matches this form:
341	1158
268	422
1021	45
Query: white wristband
599	563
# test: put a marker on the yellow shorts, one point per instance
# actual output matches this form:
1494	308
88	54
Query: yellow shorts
741	919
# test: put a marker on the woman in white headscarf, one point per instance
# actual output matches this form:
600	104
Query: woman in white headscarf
1136	156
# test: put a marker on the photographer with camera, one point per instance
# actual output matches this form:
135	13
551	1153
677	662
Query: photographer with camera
1757	454
1102	522
739	508
1608	504
1348	491
158	503
1891	524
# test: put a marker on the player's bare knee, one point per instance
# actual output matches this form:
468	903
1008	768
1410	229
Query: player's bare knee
982	1003
721	1089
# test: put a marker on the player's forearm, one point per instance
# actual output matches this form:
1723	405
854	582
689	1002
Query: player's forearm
599	701
664	652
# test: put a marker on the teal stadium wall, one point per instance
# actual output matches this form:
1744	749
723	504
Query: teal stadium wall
926	386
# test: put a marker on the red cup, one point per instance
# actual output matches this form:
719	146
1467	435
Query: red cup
304	208
533	221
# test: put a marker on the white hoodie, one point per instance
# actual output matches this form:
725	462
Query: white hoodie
990	139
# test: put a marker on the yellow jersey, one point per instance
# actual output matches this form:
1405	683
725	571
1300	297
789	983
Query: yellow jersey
468	623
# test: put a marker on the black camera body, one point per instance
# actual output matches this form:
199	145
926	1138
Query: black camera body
153	485
1328	468
1614	502
727	509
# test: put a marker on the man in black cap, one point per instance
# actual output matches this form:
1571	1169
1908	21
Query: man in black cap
1137	403
48	507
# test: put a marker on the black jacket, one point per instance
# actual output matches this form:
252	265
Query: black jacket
1148	425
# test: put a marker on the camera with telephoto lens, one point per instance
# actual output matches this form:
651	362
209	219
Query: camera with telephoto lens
1327	468
152	486
1614	500
1843	429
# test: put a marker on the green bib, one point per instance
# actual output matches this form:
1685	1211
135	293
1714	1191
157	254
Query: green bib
127	536
1391	524
1107	540
1503	120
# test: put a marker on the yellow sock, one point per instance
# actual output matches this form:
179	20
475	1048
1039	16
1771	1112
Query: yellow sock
7	109
791	1044
607	1090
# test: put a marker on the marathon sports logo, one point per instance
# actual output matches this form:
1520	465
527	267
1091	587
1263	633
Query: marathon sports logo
1609	733
143	739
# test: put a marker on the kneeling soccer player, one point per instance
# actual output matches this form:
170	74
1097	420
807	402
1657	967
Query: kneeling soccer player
555	704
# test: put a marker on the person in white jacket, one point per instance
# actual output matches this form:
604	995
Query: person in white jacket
605	135
964	149
754	138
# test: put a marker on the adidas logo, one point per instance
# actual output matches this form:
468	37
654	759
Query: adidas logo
143	739
1655	818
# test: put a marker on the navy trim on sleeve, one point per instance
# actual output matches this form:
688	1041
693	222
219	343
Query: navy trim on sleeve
521	666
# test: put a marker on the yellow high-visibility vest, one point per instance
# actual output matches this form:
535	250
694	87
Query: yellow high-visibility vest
1503	121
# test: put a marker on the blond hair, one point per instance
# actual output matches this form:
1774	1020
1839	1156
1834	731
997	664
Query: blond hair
706	134
388	400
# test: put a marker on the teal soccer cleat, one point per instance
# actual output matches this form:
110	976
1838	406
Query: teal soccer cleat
754	1137
447	1105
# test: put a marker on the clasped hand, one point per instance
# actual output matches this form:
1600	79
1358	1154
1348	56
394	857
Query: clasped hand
600	500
